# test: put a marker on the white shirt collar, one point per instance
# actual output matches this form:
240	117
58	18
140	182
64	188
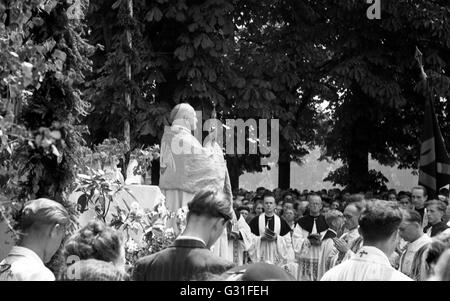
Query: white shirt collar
191	237
22	251
373	254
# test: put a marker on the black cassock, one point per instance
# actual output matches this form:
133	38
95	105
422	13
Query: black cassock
307	223
270	222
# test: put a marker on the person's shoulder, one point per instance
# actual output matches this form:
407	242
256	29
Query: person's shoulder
149	258
208	258
333	273
399	276
26	270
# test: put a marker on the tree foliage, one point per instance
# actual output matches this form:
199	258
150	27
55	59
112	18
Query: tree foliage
379	110
42	64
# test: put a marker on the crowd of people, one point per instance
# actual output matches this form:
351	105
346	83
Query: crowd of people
270	235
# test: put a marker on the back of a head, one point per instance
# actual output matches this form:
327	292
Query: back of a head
268	194
379	221
41	212
95	241
182	111
356	198
412	216
210	203
94	270
332	216
440	205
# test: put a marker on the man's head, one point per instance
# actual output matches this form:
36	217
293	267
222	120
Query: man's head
301	208
351	214
392	195
244	211
404	201
44	223
419	196
184	114
335	205
289	215
260	191
314	204
335	220
356	198
379	223
411	227
325	207
269	203
435	211
288	205
288	197
209	212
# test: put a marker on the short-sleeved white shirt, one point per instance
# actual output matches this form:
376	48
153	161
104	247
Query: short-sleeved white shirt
23	264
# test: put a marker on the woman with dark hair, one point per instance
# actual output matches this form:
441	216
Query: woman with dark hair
96	241
43	227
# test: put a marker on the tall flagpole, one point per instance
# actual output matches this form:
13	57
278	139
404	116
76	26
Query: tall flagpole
126	134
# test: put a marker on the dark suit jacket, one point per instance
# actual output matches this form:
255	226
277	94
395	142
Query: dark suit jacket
184	260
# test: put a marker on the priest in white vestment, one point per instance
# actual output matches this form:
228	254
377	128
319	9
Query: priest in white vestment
379	225
235	241
412	232
335	222
350	242
271	235
186	166
307	239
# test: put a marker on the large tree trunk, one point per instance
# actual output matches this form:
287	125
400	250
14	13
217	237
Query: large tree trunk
284	166
234	171
358	167
358	148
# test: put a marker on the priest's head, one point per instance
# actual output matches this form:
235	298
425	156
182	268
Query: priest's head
209	213
419	196
351	214
379	224
335	220
183	114
315	204
411	227
269	203
435	211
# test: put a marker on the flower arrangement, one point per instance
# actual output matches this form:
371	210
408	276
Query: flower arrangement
144	158
144	230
